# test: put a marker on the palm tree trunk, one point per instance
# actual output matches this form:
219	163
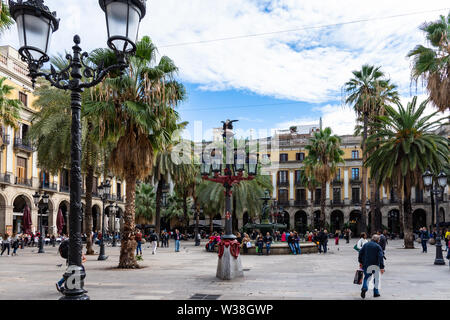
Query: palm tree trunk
373	207
312	208
364	178
408	225
88	210
128	245
322	204
211	227
159	192
401	211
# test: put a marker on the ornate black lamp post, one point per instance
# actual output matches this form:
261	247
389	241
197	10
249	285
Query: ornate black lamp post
104	191
114	211
197	212
229	267
42	207
36	23
439	184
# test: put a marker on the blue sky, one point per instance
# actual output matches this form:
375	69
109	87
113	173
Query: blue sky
300	72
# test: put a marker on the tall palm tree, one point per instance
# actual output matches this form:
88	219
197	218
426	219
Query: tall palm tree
324	154
432	64
9	108
133	109
5	18
402	148
366	93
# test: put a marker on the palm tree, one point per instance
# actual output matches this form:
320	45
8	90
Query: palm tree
432	64
324	154
145	203
9	108
309	181
246	196
367	92
402	148
5	18
133	109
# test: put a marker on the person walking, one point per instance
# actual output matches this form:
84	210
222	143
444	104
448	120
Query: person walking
6	243
383	240
177	237
138	238
362	241
268	241
336	237
371	255
323	241
154	241
424	237
14	244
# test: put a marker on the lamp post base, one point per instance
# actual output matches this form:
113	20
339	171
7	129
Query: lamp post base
41	246
102	257
229	266
439	260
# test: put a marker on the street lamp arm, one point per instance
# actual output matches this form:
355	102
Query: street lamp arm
99	73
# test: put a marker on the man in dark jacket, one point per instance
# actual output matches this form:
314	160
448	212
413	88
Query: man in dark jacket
370	260
268	241
323	241
424	236
383	240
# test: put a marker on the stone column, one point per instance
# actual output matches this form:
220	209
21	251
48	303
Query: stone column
413	194
7	220
346	199
274	184
34	171
384	195
291	185
291	220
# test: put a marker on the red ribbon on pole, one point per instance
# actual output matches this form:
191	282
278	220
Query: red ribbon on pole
234	245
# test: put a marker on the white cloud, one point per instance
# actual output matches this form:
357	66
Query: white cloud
309	65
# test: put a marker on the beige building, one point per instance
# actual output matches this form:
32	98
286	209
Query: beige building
343	195
20	177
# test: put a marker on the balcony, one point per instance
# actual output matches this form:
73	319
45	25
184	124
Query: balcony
356	202
24	182
317	201
355	180
120	198
337	202
5	140
301	203
337	182
298	183
283	203
5	178
393	200
22	144
48	186
65	189
283	184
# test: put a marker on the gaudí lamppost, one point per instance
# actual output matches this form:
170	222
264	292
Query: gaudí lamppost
104	191
42	207
36	24
437	189
114	211
229	264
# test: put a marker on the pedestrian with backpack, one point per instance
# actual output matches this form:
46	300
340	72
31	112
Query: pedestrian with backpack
64	253
138	238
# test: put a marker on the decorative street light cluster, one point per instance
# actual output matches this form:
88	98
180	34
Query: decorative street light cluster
36	24
104	191
440	182
42	207
233	173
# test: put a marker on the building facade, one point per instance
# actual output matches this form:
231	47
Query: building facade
20	176
301	206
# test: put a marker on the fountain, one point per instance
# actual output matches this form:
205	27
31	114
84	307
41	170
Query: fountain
265	225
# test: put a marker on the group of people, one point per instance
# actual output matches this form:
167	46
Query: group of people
152	238
425	236
15	241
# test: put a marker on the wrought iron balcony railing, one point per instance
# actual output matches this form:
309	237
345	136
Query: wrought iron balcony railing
48	185
283	183
301	203
5	178
65	189
356	201
337	202
355	180
5	139
337	182
24	182
23	144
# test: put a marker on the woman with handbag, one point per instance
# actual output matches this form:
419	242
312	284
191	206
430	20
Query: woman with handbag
246	243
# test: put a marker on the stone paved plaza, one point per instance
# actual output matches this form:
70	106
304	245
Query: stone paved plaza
410	274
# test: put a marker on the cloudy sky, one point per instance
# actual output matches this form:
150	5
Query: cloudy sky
270	64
